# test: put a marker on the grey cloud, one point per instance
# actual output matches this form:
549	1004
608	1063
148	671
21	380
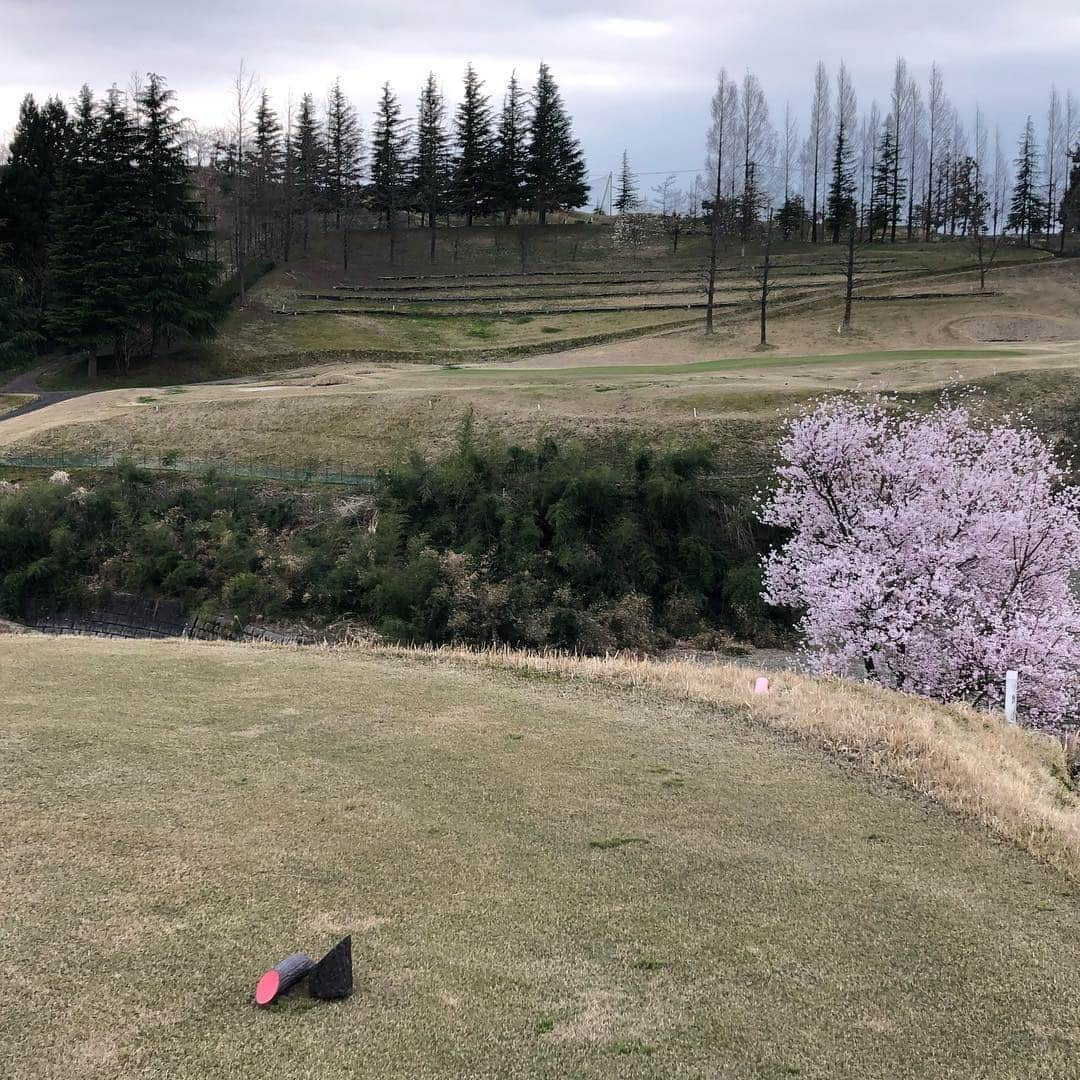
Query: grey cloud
634	74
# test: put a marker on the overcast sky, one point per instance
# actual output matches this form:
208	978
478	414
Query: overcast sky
634	74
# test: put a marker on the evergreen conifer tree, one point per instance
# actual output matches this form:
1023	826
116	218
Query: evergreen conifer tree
555	168
310	155
626	200
104	264
174	272
265	166
878	217
431	162
1026	208
509	179
1069	211
841	201
17	337
71	313
389	148
473	169
344	162
27	197
791	217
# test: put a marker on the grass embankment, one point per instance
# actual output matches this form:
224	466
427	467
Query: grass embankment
360	420
11	402
257	340
544	877
253	343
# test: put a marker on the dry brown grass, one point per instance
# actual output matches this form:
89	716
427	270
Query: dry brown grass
1013	780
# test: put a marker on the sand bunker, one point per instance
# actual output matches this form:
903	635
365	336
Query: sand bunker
1017	328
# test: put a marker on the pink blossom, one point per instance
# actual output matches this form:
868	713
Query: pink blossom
931	553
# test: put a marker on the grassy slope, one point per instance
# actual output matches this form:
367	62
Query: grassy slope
362	422
252	343
10	402
255	341
179	815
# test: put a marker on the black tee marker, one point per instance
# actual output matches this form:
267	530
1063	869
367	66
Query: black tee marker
332	976
282	976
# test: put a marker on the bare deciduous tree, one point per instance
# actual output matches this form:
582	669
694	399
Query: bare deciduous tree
936	109
723	108
820	128
243	95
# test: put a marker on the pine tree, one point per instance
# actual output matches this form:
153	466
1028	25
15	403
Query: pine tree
343	161
71	319
431	163
130	253
310	155
27	196
555	168
626	200
17	336
389	147
841	201
751	201
884	168
897	180
509	177
968	198
791	217
99	287
265	165
172	266
473	169
1069	210
1026	208
288	186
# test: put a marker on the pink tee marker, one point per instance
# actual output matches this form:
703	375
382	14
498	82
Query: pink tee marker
281	977
761	685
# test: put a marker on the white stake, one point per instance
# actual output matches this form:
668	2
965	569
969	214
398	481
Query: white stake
1010	697
761	685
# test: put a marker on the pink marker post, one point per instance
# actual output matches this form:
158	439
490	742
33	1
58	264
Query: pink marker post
761	685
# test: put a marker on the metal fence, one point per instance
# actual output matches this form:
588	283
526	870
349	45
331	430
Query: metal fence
127	616
322	473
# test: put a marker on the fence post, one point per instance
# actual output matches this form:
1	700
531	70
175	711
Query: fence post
1010	697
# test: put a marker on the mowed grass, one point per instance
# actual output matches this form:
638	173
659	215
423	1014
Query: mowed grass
739	363
254	342
361	424
543	878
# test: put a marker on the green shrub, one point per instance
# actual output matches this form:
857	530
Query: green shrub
561	545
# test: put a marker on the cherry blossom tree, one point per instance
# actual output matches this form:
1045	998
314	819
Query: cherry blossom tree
931	552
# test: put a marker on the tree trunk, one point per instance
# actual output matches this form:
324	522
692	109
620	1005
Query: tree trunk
764	297
849	275
714	232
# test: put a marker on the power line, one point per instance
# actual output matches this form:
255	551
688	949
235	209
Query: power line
658	172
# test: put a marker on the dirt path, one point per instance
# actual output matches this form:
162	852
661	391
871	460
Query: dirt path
27	383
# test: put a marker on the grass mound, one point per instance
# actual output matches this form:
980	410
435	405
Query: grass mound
528	891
